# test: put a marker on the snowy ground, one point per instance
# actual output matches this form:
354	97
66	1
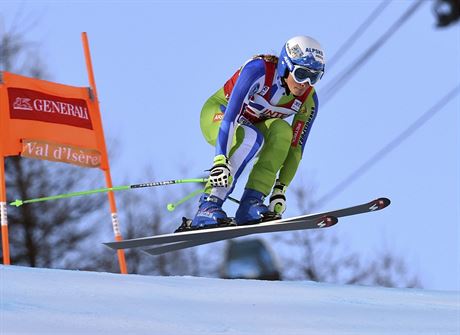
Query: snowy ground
42	301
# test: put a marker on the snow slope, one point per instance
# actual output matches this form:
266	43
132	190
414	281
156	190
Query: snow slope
35	301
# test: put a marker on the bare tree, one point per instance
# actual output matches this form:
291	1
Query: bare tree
323	257
48	234
144	213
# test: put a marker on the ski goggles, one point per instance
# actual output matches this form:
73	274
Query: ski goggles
302	75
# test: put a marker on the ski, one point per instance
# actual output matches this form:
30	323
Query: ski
261	228
216	234
204	234
371	206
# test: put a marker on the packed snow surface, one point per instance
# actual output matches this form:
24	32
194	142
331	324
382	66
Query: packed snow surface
44	301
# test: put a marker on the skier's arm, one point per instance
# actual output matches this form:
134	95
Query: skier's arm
246	85
301	126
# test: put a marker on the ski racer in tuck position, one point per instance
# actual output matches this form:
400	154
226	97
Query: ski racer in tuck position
245	119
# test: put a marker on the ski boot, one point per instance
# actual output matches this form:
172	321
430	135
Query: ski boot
209	215
252	209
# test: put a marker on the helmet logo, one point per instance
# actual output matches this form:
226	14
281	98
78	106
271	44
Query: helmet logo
288	63
295	51
315	52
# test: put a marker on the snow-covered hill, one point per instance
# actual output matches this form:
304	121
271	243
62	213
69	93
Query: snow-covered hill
43	301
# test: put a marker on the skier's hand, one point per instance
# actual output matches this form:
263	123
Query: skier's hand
220	174
278	199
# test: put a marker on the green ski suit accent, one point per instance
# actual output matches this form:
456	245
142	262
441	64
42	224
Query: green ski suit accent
280	153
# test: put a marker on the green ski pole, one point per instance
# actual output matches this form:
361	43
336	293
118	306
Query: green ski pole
172	206
19	202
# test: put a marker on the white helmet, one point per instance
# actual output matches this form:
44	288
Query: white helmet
303	56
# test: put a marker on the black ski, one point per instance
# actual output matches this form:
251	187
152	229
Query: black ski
215	234
261	228
204	234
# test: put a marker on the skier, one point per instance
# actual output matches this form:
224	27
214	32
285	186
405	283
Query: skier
244	120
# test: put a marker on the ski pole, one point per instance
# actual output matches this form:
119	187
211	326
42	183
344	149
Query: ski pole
19	202
172	206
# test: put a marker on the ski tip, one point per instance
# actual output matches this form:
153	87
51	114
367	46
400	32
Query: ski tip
380	203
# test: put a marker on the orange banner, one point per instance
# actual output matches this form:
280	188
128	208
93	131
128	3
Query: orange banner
46	120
